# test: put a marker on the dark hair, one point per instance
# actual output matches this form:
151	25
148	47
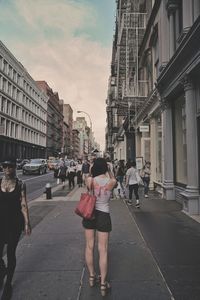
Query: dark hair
99	167
133	164
10	160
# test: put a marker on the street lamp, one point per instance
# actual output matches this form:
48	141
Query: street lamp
81	111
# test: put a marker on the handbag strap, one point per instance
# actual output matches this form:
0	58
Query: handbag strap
91	191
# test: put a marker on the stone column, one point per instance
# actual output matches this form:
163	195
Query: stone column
171	9
171	33
163	30
153	149
191	194
187	15
168	174
196	9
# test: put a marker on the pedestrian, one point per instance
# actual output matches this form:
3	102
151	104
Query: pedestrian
85	170
79	173
62	172
120	172
132	182
14	218
146	172
71	174
102	186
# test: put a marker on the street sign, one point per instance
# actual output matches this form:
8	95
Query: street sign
120	138
144	128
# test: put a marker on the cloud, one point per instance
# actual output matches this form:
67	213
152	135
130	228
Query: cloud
78	70
64	16
74	66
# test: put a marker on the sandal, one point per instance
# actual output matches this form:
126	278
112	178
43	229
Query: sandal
92	280
105	288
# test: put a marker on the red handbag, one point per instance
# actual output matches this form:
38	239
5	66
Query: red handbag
85	207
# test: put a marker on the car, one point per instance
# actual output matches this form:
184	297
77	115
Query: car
21	163
35	166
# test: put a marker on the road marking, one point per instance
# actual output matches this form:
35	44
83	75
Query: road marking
37	177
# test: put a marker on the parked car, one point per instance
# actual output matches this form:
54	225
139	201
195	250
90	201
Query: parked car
21	163
36	165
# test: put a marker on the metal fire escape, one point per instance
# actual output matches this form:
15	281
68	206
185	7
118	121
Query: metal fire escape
131	90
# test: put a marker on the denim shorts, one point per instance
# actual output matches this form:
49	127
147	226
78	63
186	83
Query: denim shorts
101	222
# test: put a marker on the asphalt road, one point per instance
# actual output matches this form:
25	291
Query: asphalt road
35	183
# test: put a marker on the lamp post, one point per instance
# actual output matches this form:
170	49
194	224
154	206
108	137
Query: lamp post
81	111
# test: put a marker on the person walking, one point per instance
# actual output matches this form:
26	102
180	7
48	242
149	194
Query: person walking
14	218
132	182
79	173
102	186
146	172
85	170
71	174
62	172
120	172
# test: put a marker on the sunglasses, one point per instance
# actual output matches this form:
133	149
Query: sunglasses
8	166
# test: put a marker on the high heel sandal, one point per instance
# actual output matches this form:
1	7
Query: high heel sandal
105	288
92	280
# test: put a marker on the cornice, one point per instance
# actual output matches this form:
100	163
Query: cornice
184	60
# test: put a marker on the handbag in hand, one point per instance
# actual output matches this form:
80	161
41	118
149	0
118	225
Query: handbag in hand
86	205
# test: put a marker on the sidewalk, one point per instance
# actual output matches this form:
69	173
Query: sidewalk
50	263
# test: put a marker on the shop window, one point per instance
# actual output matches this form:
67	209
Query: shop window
180	143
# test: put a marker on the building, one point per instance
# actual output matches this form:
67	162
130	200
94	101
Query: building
167	122
54	120
75	143
68	119
81	125
23	110
126	92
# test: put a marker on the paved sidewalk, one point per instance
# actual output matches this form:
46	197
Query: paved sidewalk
50	263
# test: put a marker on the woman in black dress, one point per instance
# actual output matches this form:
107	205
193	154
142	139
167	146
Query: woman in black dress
14	218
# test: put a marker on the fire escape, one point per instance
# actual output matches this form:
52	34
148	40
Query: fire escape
127	92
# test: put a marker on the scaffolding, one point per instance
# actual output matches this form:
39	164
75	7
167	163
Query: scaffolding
131	90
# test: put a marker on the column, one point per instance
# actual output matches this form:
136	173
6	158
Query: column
163	30
196	9
153	149
168	174
191	194
187	15
171	33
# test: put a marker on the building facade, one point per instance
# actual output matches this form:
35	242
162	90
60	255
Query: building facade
75	143
23	110
167	124
68	119
81	125
125	91
54	121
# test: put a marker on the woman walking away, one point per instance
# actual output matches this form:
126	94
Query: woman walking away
62	172
146	178
79	173
120	172
14	218
132	180
71	174
101	224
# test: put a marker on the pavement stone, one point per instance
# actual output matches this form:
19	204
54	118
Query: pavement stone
50	263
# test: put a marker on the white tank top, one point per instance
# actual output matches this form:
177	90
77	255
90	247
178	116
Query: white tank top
102	193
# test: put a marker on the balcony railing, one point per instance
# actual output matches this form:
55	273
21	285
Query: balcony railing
139	89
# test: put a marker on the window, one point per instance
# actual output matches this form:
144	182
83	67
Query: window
180	143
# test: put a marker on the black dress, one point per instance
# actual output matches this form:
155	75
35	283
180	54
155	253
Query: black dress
11	217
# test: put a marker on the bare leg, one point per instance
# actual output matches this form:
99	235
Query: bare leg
89	250
103	254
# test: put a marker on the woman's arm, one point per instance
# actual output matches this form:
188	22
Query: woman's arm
24	208
89	181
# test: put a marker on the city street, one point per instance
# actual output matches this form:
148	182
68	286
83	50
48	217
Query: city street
153	253
35	184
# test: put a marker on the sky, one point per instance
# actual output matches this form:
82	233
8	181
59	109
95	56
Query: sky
67	43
